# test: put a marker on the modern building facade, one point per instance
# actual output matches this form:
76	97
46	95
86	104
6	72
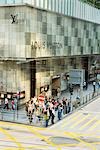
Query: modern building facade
41	40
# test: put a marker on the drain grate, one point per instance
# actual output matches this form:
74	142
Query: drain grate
63	140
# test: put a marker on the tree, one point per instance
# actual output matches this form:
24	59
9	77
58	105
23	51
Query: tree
94	3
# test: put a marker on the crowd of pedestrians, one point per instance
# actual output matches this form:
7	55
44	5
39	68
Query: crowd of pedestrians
9	104
47	109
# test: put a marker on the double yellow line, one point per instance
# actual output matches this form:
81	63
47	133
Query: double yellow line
13	139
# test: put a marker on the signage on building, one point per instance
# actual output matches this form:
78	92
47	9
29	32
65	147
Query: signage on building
42	45
14	18
76	76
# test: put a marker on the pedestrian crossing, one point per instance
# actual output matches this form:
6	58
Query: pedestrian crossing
81	121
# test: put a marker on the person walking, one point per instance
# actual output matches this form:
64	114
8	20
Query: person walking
94	84
6	103
46	117
69	106
13	105
52	115
98	84
59	111
30	107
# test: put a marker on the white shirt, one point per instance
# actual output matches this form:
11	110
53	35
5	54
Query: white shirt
6	101
93	83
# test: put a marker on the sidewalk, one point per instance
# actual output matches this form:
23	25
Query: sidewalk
21	117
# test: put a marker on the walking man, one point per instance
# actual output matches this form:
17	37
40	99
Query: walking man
94	84
6	103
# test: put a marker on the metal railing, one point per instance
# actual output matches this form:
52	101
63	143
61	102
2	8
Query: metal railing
86	99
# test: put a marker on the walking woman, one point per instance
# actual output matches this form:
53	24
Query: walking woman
30	107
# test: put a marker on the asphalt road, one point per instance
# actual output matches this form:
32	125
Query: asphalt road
78	131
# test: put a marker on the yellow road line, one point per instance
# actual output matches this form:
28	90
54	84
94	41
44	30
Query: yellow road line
9	148
86	124
96	143
95	125
19	125
73	135
35	132
47	140
72	115
89	135
12	138
78	122
68	121
41	136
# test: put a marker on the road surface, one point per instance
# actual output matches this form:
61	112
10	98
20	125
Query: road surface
78	131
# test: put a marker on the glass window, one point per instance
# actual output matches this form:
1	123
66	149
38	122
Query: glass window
79	42
66	4
3	2
59	20
63	3
44	28
87	33
39	16
49	4
68	7
76	32
66	41
60	5
18	1
37	3
57	5
69	50
45	4
53	5
10	1
81	50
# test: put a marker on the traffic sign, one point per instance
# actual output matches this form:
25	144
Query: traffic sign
41	98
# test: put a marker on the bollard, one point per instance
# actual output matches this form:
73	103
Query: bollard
86	98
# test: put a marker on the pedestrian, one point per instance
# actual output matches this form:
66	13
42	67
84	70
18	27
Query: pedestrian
46	117
37	115
52	115
98	84
13	105
6	103
59	111
64	106
15	102
94	84
69	106
30	107
85	85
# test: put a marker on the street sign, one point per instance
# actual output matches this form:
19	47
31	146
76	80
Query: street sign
41	98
